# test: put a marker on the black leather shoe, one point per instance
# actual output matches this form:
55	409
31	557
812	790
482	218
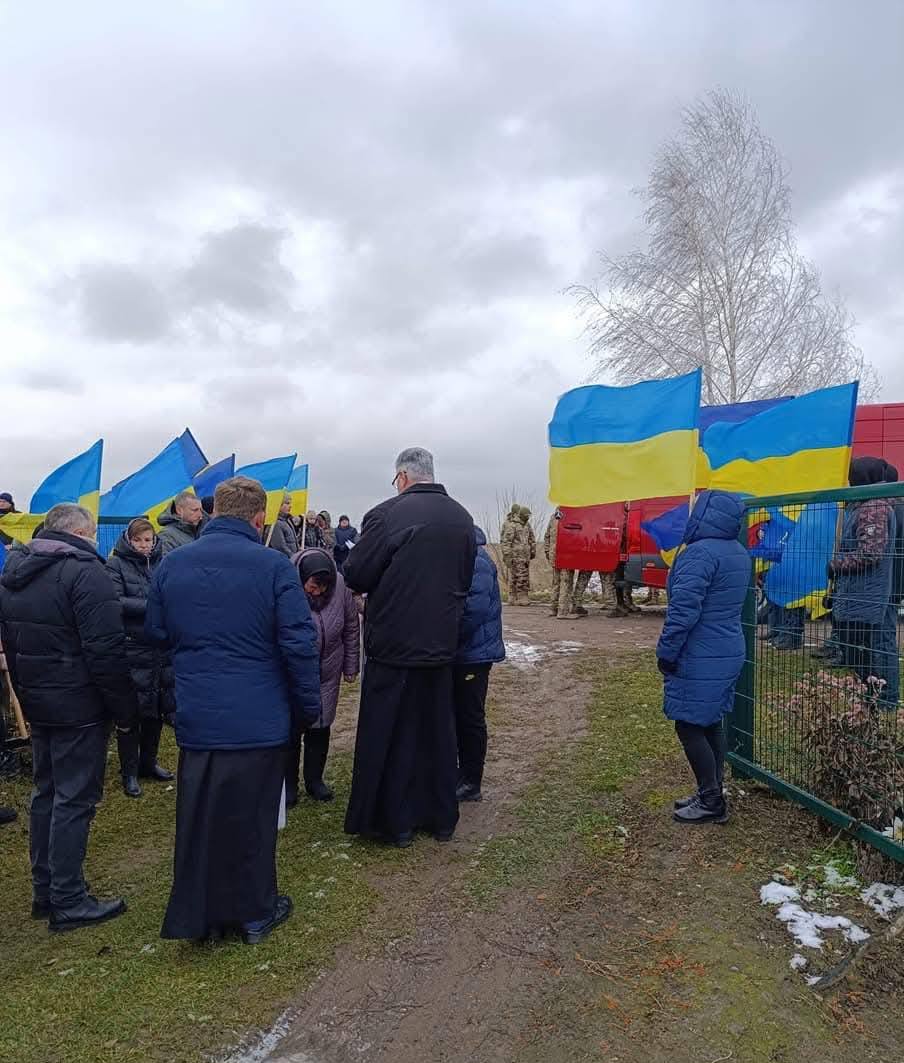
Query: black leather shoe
90	912
468	791
8	815
698	812
40	909
130	786
254	933
319	791
156	773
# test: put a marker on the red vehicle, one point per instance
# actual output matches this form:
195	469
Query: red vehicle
598	538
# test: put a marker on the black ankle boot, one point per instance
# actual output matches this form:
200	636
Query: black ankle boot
130	786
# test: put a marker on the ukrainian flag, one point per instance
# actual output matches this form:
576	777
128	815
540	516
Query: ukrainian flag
801	444
206	481
297	487
618	444
76	481
799	578
274	476
150	490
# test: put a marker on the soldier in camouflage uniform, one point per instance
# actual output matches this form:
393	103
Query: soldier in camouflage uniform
505	533
519	548
560	599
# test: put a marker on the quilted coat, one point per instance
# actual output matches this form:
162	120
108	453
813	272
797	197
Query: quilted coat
702	647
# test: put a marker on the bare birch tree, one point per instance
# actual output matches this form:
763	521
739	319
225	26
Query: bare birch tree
721	284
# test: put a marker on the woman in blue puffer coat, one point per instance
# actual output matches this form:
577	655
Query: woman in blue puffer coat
701	648
480	646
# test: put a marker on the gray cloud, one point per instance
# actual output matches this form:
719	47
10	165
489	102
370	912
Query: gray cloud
119	303
52	380
240	269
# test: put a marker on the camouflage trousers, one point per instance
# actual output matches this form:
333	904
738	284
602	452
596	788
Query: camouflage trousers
561	602
519	581
607	581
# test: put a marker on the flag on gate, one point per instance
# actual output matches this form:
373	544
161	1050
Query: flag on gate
609	444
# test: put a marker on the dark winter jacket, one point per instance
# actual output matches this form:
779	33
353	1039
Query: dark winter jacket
243	642
312	536
480	637
702	642
335	616
62	632
414	561
341	550
175	532
284	537
151	668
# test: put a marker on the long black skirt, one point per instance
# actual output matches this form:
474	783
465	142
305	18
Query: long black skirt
406	768
224	869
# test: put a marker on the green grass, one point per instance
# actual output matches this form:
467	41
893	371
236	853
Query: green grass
117	992
568	804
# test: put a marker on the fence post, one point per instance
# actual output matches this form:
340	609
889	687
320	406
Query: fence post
740	720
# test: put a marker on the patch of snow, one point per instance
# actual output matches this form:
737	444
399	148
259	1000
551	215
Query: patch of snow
778	893
806	926
835	880
896	830
522	654
798	962
884	900
261	1047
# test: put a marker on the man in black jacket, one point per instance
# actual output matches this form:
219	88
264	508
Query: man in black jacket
62	631
414	561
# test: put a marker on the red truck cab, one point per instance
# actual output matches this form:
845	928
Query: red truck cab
597	538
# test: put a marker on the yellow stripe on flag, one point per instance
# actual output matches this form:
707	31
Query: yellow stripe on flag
596	473
807	470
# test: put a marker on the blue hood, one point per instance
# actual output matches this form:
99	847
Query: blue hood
479	535
717	515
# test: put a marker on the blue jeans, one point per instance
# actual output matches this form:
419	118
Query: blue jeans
787	624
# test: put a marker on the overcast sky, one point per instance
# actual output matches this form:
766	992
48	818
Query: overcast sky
344	228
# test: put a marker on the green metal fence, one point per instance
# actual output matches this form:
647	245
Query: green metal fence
818	713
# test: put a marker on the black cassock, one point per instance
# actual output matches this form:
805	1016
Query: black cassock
224	869
406	768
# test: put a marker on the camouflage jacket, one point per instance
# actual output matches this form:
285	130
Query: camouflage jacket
518	541
871	530
550	539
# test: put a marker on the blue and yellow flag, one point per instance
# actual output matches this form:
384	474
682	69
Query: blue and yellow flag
206	481
297	487
799	577
801	444
150	490
76	481
273	476
619	444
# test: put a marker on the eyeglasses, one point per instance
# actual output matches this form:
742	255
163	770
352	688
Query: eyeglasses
395	478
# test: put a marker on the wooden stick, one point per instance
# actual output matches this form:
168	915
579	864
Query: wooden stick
17	708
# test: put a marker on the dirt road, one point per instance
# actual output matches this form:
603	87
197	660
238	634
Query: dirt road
636	941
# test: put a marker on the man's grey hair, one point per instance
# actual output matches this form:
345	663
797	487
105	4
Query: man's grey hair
417	464
71	518
185	496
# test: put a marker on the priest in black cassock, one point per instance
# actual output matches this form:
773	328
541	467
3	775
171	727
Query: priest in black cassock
414	561
247	673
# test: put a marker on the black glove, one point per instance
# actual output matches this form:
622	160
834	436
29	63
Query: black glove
666	667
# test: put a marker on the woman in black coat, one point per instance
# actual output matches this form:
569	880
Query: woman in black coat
131	566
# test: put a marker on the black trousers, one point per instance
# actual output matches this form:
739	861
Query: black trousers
316	750
224	865
138	748
470	684
68	766
406	770
704	748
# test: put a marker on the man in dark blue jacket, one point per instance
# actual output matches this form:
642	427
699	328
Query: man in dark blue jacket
245	658
480	647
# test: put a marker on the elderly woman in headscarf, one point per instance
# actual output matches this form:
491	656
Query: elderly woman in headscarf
863	604
335	616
